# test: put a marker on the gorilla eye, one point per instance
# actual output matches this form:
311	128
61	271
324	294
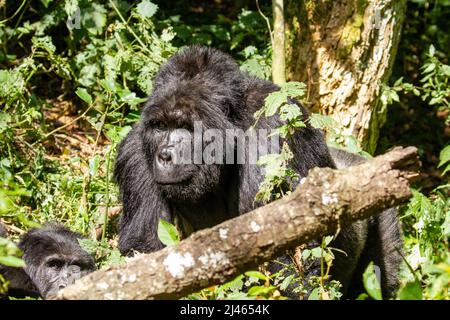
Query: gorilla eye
79	264
75	268
186	126
55	263
158	125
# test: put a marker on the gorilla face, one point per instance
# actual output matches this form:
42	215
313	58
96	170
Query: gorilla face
54	259
56	271
175	155
181	97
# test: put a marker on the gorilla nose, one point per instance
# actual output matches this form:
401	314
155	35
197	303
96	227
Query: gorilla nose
165	156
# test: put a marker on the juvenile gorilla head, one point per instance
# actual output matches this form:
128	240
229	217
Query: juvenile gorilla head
181	97
53	258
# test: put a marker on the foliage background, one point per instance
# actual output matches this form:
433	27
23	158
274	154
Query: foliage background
68	96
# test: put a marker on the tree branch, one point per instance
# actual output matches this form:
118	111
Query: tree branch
324	202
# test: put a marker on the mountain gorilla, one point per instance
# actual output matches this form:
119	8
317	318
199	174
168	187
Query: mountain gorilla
53	258
204	84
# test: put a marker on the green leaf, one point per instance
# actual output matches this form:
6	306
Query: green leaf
430	67
320	121
4	75
44	43
260	290
394	96
167	34
444	156
314	294
146	9
289	112
306	254
286	282
89	245
11	261
362	296
398	82
446	70
108	84
432	51
447	169
411	291
256	274
84	95
371	282
167	233
294	89
352	144
327	240
114	258
94	18
234	285
94	164
273	101
435	100
317	252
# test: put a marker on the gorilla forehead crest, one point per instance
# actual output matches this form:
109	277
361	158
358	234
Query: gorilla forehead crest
195	80
52	238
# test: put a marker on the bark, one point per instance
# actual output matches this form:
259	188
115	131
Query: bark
324	202
344	51
278	45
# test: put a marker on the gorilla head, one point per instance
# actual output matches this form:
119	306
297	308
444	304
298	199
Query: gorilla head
182	97
53	258
199	96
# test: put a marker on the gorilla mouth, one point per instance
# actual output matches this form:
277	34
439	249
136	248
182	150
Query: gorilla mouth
174	181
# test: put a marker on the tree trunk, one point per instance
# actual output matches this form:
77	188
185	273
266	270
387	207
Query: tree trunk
278	45
344	52
325	201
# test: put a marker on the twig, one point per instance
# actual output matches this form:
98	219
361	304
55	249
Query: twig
267	21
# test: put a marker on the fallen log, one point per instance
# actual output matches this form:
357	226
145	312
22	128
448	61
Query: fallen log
325	201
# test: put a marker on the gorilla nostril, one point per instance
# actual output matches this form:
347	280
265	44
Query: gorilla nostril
165	155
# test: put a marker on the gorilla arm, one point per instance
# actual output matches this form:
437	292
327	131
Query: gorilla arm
19	283
143	204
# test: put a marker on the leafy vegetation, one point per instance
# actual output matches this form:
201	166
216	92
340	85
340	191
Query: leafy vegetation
71	86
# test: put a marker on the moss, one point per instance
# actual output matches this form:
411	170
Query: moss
361	6
351	34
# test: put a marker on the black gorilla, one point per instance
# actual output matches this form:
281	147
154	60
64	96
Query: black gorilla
203	84
54	259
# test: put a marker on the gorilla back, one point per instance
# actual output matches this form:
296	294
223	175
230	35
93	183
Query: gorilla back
203	85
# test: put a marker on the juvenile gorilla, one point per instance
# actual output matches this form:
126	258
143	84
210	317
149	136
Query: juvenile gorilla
203	84
54	259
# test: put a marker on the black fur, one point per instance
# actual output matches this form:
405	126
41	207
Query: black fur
383	241
54	259
204	84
